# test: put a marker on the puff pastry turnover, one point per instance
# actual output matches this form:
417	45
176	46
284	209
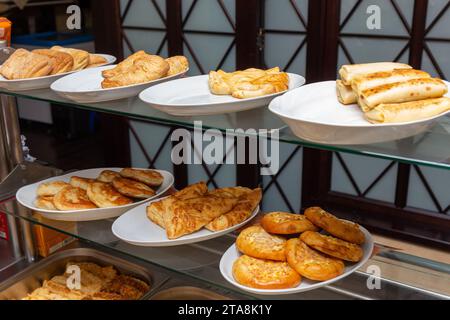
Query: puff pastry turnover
23	64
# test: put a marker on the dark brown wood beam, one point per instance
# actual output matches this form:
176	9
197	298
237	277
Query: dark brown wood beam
248	26
174	27
418	33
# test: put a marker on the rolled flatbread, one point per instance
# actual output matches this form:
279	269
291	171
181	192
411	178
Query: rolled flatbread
408	111
411	90
372	80
350	71
345	93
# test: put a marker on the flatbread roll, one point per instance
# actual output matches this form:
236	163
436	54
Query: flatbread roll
408	111
372	80
350	71
345	93
411	90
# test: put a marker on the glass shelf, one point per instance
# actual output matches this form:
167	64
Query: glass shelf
431	148
200	262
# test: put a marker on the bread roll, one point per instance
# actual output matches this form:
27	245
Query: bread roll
349	72
345	93
408	111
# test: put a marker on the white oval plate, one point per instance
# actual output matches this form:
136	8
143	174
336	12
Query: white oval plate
230	256
192	97
314	113
136	228
27	195
86	86
43	82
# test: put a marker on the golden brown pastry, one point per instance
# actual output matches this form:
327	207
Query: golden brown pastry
72	198
128	288
80	182
61	61
345	93
150	177
95	60
105	196
132	188
23	64
310	263
286	223
108	176
230	192
339	228
254	241
123	66
351	71
264	274
51	188
177	64
45	202
80	57
332	246
247	203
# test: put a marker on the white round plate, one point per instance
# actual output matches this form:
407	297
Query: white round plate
27	195
192	97
230	256
86	86
43	82
134	227
314	113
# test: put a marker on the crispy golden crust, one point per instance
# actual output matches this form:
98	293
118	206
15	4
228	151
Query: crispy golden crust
95	60
51	188
80	182
61	61
124	65
72	198
264	274
256	242
45	202
339	228
332	246
105	196
312	264
132	188
108	176
230	192
177	64
23	64
150	177
286	223
80	57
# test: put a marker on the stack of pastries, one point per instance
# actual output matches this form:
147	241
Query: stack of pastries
97	283
248	83
270	260
392	92
24	64
195	207
109	189
142	67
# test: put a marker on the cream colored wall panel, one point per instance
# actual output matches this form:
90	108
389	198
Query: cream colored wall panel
279	49
370	50
145	40
208	16
142	13
440	51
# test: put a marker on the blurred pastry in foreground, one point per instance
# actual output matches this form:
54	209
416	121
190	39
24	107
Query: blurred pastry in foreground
72	198
286	223
61	61
350	71
264	274
256	242
80	57
150	177
177	64
80	182
23	64
108	176
105	196
51	188
132	188
95	60
45	202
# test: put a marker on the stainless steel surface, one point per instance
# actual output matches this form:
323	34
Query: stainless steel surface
187	293
18	286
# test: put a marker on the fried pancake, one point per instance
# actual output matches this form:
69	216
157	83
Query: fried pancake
264	274
51	188
342	229
108	176
132	188
105	196
80	182
150	177
310	263
286	223
45	202
332	246
256	242
72	198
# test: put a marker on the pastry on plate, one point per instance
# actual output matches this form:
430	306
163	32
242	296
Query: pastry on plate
123	66
95	60
310	263
177	64
230	192
80	182
254	241
80	57
132	188
342	229
23	64
108	176
105	196
350	71
50	188
72	198
332	246
45	202
61	61
264	274
286	223
345	93
150	177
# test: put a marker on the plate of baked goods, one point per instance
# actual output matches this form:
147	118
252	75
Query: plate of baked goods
126	79
290	253
190	215
371	103
94	194
39	68
221	92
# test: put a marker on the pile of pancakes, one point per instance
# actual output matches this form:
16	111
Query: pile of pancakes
109	189
272	261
